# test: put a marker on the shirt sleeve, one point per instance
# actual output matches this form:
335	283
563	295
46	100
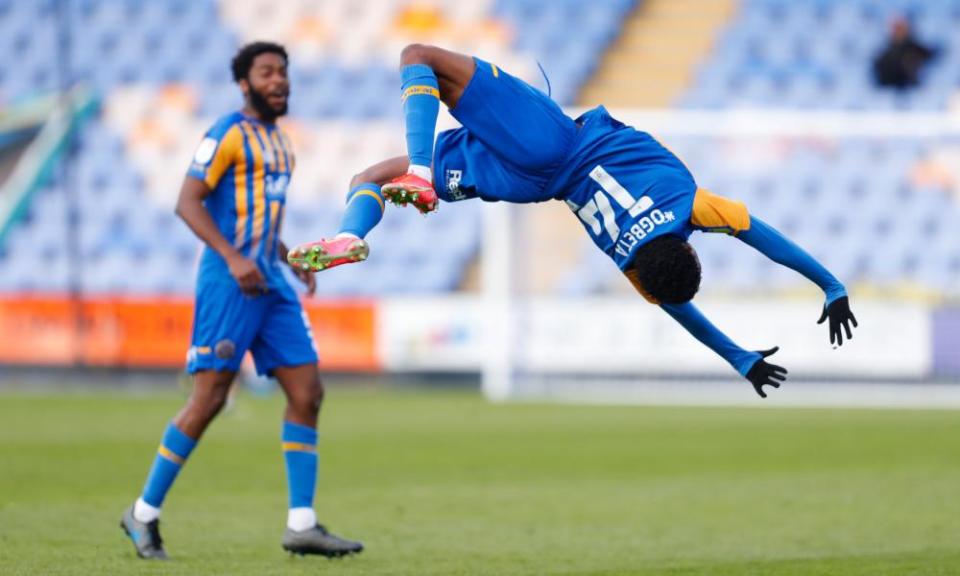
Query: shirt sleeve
713	213
781	250
215	154
703	330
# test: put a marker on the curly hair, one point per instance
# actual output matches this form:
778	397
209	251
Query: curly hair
668	269
243	61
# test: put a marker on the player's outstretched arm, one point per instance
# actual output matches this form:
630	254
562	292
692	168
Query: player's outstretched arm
190	208
781	250
750	365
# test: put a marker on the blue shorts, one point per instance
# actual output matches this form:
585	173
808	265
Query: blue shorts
226	324
515	134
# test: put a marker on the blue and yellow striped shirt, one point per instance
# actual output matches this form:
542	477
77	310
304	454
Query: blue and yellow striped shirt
247	165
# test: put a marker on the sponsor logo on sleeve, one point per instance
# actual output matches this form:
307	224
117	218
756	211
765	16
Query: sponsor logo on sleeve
205	150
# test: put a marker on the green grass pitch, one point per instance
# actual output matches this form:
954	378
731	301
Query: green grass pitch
443	483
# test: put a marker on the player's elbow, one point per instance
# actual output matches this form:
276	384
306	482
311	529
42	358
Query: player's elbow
358	179
186	208
415	54
367	176
191	197
181	209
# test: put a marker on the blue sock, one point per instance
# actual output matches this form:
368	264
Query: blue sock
421	105
364	210
300	454
174	449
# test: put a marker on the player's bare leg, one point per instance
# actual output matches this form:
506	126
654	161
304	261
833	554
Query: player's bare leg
210	391
453	70
304	392
429	73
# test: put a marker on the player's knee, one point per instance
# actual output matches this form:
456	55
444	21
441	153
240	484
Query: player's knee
208	404
316	396
358	179
307	399
415	54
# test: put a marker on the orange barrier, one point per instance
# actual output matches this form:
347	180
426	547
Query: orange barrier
155	332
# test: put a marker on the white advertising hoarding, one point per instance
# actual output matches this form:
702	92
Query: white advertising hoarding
624	336
586	336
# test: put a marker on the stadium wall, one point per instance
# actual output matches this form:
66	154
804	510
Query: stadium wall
897	340
153	332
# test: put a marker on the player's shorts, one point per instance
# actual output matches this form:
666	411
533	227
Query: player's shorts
520	124
226	324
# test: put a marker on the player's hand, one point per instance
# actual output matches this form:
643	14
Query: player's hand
305	276
764	374
840	315
247	275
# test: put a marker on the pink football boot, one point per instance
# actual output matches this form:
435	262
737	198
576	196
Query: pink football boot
324	254
411	189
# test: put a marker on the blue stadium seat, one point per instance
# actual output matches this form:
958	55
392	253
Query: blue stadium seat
776	39
766	57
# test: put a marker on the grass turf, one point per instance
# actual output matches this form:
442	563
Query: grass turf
443	483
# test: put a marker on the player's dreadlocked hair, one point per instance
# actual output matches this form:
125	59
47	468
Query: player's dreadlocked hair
668	269
243	61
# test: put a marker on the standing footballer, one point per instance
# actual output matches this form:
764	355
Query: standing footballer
233	199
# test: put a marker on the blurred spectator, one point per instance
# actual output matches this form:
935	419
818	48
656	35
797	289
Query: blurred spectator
901	61
939	169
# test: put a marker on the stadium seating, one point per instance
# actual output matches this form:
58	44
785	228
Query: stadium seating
818	54
161	68
162	71
855	203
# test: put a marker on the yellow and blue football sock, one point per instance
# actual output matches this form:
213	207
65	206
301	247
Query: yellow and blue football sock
363	212
421	105
300	455
175	448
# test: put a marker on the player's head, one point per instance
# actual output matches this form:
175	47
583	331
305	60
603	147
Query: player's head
667	269
260	68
